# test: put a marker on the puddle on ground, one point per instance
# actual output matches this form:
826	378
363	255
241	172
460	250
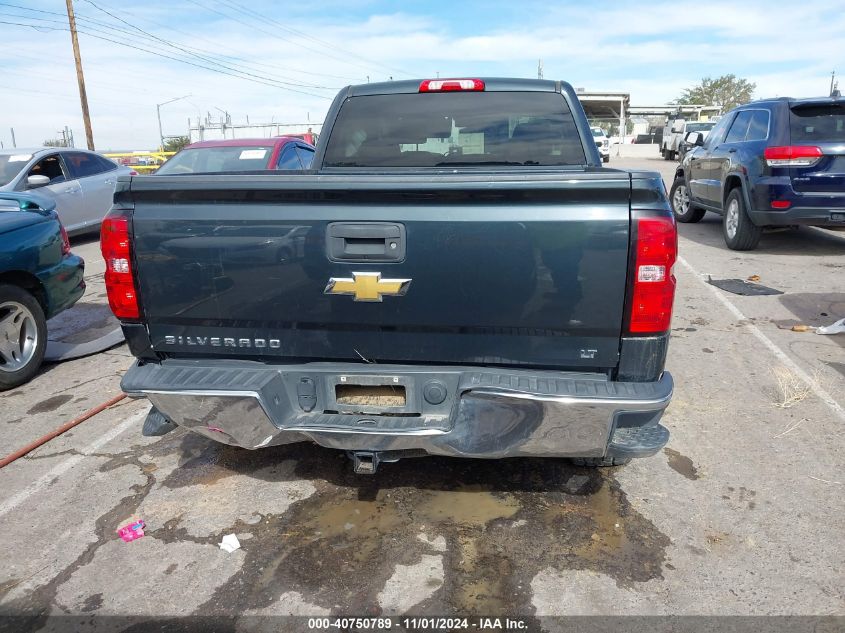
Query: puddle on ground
503	522
681	464
471	506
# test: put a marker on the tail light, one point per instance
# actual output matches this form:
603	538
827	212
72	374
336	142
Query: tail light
133	173
115	244
451	85
65	241
654	281
792	156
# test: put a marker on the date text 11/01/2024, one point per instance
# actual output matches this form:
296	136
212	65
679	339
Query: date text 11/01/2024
419	624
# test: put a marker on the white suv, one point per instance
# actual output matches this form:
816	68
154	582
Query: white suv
602	143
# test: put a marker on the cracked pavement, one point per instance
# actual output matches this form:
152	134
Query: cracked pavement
741	514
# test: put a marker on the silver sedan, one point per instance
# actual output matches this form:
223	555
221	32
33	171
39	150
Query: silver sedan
81	182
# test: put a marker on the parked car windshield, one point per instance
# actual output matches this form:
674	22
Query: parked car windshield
458	128
11	165
818	123
206	160
700	127
597	131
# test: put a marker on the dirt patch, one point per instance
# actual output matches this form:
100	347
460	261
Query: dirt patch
50	404
681	464
92	603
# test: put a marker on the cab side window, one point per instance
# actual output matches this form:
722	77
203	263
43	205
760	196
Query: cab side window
50	166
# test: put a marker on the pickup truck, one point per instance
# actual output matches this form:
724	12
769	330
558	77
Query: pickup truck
457	275
674	133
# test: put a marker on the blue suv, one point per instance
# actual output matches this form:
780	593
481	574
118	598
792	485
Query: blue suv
777	162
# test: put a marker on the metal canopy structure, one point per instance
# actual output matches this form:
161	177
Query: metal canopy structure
606	106
673	108
615	107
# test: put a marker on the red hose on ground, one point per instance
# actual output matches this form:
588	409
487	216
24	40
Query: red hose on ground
65	427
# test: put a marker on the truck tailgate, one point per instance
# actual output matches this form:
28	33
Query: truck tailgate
523	269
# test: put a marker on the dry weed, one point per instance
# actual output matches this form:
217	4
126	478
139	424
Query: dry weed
791	389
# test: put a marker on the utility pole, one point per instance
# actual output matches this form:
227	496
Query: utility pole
540	69
80	78
832	78
14	144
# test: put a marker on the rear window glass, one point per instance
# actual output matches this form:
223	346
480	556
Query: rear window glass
205	160
817	124
452	129
11	165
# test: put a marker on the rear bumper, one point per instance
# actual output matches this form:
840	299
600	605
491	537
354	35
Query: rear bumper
807	216
485	413
64	284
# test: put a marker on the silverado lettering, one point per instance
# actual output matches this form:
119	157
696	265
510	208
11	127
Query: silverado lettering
216	341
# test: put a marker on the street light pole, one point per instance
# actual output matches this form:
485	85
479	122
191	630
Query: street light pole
158	114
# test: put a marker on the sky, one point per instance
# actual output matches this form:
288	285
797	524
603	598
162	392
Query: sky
283	61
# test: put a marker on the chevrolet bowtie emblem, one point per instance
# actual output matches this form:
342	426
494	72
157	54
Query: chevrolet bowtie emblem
367	286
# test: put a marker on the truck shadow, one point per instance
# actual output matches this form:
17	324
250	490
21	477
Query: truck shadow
804	241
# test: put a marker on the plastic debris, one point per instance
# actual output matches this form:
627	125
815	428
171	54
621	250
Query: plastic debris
754	278
134	530
800	328
230	543
742	287
833	328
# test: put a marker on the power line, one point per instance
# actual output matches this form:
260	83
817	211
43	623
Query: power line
110	25
198	56
304	35
164	56
280	37
244	60
112	28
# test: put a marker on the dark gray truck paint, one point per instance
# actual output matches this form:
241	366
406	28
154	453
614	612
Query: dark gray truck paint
521	268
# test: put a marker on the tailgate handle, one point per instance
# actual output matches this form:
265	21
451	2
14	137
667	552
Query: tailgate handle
366	241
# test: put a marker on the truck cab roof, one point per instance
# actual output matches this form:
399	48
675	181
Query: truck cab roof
491	84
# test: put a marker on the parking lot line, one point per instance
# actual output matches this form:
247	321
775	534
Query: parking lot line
823	395
62	467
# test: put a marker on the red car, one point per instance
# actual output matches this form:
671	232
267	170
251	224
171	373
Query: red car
242	154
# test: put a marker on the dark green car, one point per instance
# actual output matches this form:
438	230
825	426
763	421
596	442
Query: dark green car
39	277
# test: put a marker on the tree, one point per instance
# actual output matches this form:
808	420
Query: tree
727	91
175	143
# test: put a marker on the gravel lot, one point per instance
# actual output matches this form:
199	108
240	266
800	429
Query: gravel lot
741	514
